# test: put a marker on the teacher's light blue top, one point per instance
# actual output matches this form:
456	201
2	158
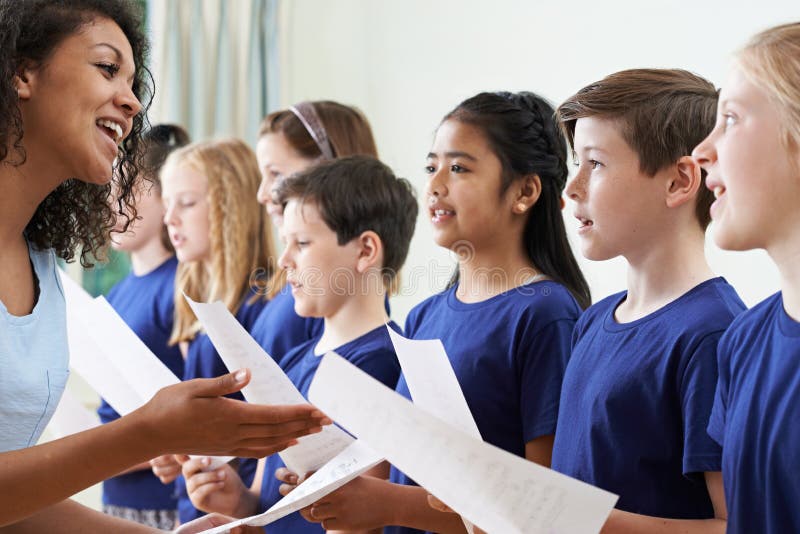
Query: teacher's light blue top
34	359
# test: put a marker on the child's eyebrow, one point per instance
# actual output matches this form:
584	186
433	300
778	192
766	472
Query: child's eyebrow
587	148
725	102
453	154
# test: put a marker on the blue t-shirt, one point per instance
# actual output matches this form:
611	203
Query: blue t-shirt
34	359
374	354
146	304
756	419
636	400
278	329
203	361
508	352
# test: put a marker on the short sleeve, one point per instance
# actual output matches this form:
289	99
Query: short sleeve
382	365
412	321
696	390
577	331
716	423
249	311
542	359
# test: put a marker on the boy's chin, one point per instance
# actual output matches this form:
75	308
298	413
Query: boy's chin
592	254
733	241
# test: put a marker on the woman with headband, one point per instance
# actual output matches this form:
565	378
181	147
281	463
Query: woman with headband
290	141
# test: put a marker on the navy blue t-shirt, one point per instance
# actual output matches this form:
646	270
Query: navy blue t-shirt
508	352
756	419
203	361
278	329
146	304
636	401
374	354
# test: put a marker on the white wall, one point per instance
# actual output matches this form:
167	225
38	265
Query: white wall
407	62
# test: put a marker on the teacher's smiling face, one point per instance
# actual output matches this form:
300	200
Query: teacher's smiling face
78	105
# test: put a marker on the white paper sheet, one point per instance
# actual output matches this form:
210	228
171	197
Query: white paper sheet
432	381
268	385
497	491
88	359
434	387
97	320
433	384
111	357
144	371
71	417
355	460
74	294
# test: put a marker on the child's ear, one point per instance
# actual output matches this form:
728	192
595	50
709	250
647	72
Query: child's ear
527	193
684	183
370	251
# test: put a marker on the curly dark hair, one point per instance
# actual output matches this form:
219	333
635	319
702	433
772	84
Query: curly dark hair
76	215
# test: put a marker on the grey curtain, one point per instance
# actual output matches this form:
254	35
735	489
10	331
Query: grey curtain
215	64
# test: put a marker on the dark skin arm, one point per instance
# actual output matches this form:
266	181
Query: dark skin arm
69	517
190	417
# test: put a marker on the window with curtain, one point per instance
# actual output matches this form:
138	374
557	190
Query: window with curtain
215	64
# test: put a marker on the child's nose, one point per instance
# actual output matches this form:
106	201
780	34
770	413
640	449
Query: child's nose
705	154
574	188
169	216
436	185
283	260
263	195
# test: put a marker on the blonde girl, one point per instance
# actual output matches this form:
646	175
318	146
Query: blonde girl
753	162
220	237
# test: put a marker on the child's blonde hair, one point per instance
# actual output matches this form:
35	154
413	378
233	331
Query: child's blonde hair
240	237
771	59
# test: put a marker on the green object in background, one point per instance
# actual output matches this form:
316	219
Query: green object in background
99	279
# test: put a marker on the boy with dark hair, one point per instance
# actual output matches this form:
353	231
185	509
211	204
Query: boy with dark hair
639	387
347	227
